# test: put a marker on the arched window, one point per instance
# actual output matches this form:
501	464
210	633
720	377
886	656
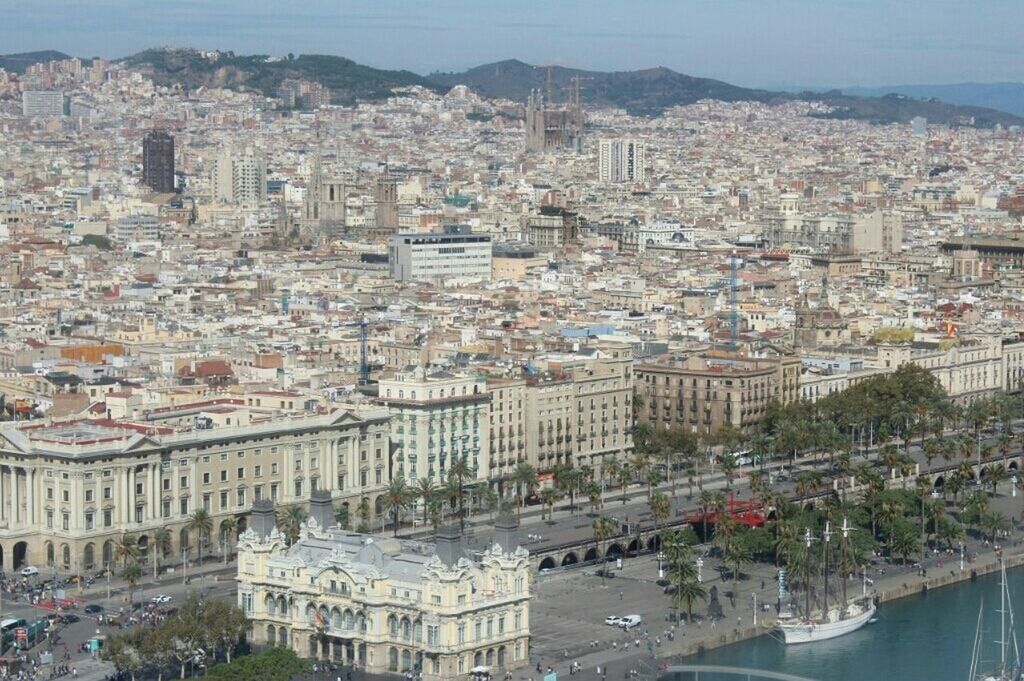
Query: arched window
271	603
393	659
393	625
336	620
406	628
271	634
350	619
406	660
65	553
311	613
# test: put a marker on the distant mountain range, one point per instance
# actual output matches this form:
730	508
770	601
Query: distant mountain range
650	91
1007	97
644	92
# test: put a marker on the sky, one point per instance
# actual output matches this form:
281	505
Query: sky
763	43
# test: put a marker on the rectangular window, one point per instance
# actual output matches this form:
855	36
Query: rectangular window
139	488
108	517
166	484
462	634
273	469
65	521
313	462
257	492
223	456
223	500
298	464
380	476
273	492
223	476
241	473
362	478
258	471
65	495
166	510
298	488
138	514
206	478
88	496
183	506
501	625
241	498
49	520
206	502
49	493
183	482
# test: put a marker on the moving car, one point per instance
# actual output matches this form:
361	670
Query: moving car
29	571
613	620
92	609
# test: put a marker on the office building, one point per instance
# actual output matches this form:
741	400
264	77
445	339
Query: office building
70	490
621	160
453	254
158	161
703	392
42	103
874	232
239	179
387	605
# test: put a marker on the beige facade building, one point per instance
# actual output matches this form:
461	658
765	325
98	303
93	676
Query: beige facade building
436	419
70	490
387	605
702	393
876	232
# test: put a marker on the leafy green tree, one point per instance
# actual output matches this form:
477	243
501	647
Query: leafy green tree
228	529
737	556
549	497
728	465
994	522
904	542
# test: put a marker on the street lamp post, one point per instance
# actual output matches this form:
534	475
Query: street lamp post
700	564
754	594
961	556
661	570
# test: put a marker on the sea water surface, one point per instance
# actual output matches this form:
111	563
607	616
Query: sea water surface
919	638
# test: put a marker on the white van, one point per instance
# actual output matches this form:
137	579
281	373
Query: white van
29	571
629	621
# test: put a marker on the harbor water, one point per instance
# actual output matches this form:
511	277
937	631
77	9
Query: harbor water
920	638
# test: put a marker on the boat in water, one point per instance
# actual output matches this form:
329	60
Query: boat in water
829	622
1009	668
837	622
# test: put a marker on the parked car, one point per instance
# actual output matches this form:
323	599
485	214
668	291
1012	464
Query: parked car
29	571
613	620
630	621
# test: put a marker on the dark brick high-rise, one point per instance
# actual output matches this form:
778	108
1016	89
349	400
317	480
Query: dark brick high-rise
158	162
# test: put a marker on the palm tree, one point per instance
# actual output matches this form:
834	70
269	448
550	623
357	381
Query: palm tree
660	508
807	483
993	523
228	527
397	499
363	510
903	543
161	546
994	474
604	529
609	471
461	470
131	574
425	491
954	484
127	548
525	478
549	497
688	592
202	524
736	555
625	478
803	566
593	492
707	499
728	465
289	521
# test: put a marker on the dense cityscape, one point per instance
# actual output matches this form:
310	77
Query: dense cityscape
426	383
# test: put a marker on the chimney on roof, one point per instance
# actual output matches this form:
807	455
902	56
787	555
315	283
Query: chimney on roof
321	508
448	545
262	518
506	533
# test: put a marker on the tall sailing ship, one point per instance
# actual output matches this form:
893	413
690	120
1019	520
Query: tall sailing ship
1009	661
844	617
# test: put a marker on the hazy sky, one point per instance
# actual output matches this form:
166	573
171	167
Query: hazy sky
748	42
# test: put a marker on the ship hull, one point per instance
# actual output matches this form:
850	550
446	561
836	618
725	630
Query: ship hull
810	632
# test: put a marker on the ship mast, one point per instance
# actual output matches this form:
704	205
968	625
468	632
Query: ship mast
842	555
825	539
